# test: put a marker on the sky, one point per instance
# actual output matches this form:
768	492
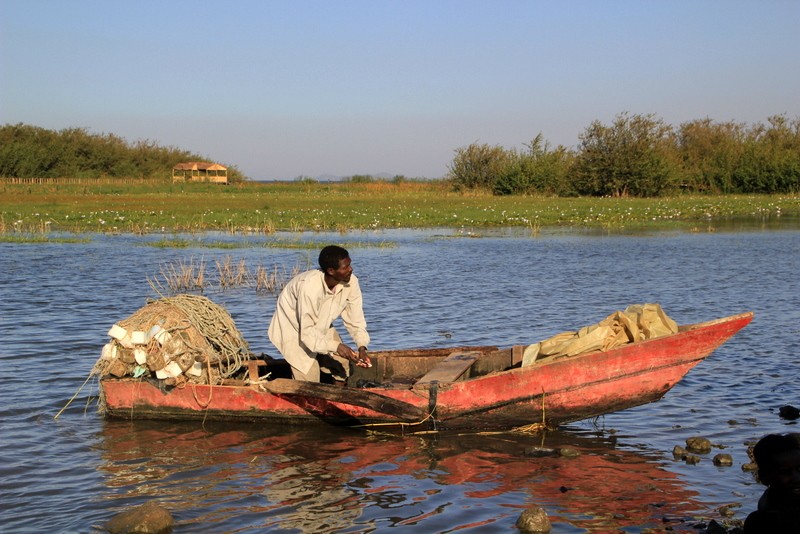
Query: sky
283	89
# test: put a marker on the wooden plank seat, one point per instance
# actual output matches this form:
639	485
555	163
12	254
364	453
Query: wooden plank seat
450	369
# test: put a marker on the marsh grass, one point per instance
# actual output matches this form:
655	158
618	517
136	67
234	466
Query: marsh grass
230	275
178	277
190	275
41	239
266	208
274	279
35	233
179	242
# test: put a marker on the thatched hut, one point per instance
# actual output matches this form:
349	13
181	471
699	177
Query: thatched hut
200	171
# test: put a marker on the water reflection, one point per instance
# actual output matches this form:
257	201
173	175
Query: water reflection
245	478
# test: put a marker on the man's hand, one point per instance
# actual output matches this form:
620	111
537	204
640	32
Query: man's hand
346	352
363	359
360	358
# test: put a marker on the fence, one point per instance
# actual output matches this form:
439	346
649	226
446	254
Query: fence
82	181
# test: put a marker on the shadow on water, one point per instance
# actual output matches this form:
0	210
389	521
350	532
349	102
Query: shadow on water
245	478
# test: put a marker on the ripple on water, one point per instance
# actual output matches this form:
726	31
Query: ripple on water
57	303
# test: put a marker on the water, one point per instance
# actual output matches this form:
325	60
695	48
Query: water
432	288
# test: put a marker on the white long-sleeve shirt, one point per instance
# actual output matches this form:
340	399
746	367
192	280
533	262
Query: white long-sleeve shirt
302	324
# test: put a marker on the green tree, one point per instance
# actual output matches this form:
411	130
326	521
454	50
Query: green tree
479	166
630	157
539	170
709	154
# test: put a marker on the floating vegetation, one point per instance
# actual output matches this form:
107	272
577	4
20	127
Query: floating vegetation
39	239
290	245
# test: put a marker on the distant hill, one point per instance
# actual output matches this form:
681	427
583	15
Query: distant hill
336	178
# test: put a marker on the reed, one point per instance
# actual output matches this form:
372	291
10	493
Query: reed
230	274
178	277
273	280
190	275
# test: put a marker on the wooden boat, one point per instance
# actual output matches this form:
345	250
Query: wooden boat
462	387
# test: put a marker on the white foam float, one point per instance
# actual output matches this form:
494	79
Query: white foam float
153	332
126	341
196	369
117	332
138	337
140	355
173	369
109	351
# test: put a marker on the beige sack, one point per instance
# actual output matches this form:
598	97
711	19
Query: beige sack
637	323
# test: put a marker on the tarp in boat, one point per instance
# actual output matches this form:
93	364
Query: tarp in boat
636	323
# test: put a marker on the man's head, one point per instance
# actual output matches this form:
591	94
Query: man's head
334	261
778	459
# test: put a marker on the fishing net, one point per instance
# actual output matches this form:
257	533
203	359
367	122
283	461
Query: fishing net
185	338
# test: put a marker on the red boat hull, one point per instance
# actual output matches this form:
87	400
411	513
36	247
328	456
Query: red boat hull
551	391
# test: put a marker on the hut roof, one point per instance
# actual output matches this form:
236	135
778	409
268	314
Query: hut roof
199	166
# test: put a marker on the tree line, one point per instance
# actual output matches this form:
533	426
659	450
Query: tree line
32	152
641	155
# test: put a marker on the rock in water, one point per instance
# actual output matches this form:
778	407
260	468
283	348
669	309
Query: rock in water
723	460
534	520
697	444
149	518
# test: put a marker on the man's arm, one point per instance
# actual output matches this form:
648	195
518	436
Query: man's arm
353	317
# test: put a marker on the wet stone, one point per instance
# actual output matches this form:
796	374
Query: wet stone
698	444
691	459
568	452
723	460
534	520
750	466
149	518
679	452
728	510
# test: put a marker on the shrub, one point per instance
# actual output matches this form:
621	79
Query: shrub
630	157
478	166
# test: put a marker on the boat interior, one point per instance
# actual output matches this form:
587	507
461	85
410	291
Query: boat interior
410	368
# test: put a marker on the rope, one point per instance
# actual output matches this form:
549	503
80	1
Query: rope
393	423
73	397
216	325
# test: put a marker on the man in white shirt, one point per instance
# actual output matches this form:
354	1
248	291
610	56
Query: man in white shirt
302	326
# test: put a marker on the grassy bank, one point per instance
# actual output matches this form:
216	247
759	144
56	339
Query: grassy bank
269	207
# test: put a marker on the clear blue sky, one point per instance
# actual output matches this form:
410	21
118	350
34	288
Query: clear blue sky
289	88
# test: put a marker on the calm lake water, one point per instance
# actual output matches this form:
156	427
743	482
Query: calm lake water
428	288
